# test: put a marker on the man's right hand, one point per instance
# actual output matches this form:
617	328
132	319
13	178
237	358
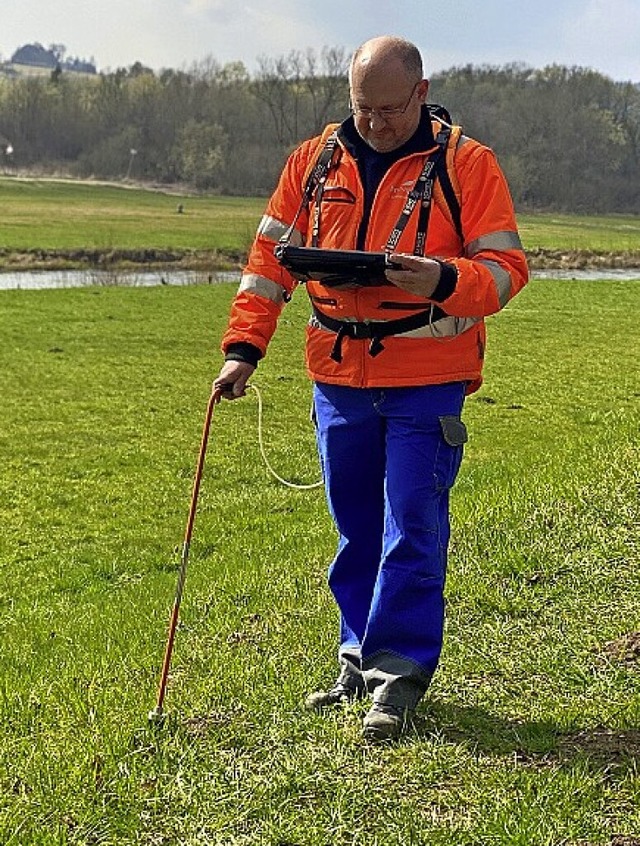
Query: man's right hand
232	381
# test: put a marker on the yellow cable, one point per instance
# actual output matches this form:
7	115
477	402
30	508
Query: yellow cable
264	454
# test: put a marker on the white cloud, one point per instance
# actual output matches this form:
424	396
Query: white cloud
603	34
219	10
606	34
232	31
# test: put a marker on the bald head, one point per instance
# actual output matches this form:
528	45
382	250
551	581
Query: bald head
387	91
384	54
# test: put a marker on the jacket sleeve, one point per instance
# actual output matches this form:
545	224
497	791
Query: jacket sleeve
266	286
493	267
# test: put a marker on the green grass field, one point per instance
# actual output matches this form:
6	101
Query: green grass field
71	215
531	733
601	233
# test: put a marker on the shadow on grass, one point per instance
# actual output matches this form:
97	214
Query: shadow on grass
529	742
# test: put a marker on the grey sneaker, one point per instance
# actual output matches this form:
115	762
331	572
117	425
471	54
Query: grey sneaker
385	722
340	694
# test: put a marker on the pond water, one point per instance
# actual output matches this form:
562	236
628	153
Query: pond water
48	279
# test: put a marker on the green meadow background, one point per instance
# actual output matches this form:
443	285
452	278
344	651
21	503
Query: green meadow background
43	214
530	734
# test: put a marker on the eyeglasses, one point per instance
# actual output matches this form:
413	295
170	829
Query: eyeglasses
385	114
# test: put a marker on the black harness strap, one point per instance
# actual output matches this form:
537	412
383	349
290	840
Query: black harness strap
374	331
327	159
421	195
434	167
441	114
450	195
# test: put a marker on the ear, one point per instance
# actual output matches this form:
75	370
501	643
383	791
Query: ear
423	90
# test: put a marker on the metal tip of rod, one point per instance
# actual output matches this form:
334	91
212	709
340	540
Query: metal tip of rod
156	717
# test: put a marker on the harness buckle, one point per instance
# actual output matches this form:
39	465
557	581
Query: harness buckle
359	331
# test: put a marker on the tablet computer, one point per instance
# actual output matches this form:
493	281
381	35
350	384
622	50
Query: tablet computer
335	267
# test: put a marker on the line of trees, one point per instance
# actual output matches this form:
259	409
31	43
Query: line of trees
568	138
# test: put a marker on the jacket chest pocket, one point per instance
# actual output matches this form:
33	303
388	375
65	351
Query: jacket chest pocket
338	216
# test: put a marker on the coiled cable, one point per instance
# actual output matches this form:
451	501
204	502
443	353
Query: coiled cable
263	453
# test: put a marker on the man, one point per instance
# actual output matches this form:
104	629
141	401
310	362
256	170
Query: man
391	363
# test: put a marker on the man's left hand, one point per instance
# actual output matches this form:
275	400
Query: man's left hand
419	275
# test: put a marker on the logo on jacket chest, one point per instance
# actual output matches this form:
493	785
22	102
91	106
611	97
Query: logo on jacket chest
403	189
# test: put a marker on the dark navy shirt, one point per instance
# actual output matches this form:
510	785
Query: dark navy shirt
373	165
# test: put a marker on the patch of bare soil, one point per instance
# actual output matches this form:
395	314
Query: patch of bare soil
622	650
606	745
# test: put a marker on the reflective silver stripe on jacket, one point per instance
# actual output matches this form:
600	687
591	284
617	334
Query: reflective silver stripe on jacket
496	242
501	279
263	287
445	327
505	240
274	230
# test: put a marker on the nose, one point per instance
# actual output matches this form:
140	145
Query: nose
376	121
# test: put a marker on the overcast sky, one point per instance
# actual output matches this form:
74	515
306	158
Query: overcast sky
600	34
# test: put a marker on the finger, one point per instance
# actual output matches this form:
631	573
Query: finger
223	389
399	277
407	261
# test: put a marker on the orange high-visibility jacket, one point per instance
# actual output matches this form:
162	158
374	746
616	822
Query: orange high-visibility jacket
490	265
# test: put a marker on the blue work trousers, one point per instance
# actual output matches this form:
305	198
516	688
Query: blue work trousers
389	458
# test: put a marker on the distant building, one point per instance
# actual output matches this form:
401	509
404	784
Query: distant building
79	66
35	56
